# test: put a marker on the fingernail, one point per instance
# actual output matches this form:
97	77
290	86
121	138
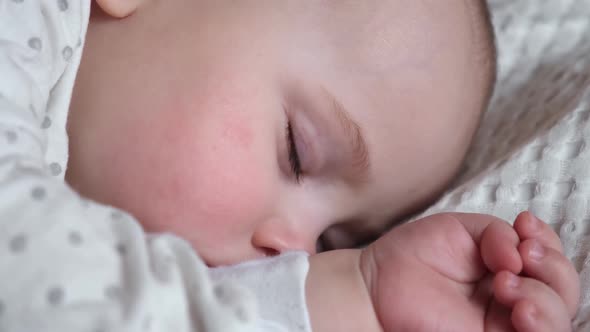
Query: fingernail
537	251
512	281
531	315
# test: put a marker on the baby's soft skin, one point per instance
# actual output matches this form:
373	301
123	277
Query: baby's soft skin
448	273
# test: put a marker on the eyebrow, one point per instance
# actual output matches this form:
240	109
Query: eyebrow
360	152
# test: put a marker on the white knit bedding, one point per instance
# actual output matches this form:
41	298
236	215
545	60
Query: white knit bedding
533	149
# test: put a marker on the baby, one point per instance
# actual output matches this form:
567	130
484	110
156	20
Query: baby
252	128
255	129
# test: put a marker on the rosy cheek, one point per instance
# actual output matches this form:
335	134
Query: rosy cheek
211	176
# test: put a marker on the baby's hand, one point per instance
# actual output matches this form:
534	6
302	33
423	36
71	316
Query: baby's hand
544	297
451	272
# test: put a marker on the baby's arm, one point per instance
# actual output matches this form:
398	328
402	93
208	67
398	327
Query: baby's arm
337	296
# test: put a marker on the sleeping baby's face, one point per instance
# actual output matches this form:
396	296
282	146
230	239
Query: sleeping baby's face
253	127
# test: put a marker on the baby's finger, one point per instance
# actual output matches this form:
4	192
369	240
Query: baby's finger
528	226
527	318
499	248
535	306
554	269
498	318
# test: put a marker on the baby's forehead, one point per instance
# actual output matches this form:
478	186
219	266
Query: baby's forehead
381	36
412	74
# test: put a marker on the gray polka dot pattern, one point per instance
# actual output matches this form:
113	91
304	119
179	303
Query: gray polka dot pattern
67	53
11	136
121	249
112	292
224	294
38	193
228	295
35	43
18	243
55	169
55	296
63	5
32	109
116	215
241	314
75	238
147	323
162	267
46	123
84	203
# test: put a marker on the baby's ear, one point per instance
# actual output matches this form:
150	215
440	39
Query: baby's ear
119	8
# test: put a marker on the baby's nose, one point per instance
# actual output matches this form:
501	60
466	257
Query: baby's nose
276	237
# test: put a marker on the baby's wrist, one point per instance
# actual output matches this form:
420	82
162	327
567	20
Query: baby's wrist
338	298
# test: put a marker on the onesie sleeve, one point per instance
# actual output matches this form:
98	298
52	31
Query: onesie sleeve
278	283
67	263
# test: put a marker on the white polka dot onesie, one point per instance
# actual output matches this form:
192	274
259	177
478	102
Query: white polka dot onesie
69	264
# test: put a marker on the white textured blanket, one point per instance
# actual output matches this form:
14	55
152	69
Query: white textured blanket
533	149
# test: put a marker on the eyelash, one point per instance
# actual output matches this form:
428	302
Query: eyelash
293	154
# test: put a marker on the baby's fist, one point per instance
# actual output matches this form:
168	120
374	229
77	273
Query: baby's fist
545	296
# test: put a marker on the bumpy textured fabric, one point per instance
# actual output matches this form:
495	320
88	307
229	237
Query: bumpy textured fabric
70	264
533	148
